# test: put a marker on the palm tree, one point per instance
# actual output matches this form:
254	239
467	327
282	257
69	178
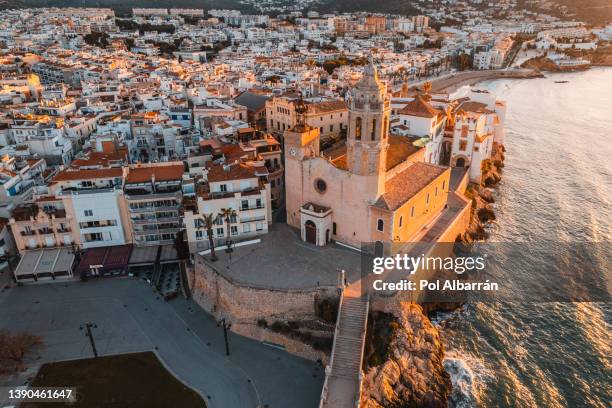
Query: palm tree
209	221
227	214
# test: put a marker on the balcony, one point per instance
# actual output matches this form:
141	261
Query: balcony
143	194
253	207
252	219
156	231
155	209
154	220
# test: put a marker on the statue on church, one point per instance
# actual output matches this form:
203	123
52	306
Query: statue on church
300	111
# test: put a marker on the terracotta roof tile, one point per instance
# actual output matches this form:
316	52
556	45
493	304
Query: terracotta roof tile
407	184
419	107
88	174
234	172
166	172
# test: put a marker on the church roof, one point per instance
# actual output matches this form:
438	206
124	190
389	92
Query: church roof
419	107
400	148
405	185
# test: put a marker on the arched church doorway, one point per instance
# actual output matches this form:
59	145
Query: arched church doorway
311	232
460	162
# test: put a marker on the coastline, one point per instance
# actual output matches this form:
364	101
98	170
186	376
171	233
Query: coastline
451	83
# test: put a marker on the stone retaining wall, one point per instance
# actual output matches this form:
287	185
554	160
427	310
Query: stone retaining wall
221	296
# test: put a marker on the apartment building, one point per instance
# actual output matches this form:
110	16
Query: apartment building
42	224
94	205
330	116
153	197
241	187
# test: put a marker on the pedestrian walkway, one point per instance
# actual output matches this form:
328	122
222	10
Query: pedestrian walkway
343	383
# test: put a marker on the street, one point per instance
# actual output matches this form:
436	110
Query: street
129	317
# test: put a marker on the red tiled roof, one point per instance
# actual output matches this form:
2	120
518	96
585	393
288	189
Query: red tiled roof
162	173
88	174
419	107
233	172
407	184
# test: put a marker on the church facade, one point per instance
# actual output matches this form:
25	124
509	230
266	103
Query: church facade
373	187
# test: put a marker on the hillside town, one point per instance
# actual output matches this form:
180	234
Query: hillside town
162	144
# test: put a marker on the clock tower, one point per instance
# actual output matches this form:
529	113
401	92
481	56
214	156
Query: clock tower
301	143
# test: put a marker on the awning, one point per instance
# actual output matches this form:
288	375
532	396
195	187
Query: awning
105	259
143	256
45	263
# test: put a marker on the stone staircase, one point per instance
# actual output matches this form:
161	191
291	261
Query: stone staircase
343	381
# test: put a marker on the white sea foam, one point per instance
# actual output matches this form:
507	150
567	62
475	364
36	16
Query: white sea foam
469	377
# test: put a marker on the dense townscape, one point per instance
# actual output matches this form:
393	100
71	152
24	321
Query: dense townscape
183	134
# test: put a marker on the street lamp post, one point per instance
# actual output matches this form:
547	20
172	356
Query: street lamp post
89	334
226	326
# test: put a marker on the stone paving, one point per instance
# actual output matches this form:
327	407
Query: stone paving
283	261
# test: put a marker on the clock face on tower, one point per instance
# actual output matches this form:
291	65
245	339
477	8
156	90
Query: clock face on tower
293	151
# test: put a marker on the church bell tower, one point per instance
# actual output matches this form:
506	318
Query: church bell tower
367	142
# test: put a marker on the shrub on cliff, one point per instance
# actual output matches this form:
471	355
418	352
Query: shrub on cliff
326	309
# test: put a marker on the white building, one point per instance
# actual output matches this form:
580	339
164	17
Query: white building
423	121
238	186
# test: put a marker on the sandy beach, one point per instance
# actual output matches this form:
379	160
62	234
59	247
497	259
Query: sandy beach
450	83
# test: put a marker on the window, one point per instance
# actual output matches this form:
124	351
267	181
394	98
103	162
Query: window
385	129
320	186
88	213
380	225
93	237
373	135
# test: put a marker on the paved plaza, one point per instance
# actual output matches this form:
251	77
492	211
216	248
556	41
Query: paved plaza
283	261
130	317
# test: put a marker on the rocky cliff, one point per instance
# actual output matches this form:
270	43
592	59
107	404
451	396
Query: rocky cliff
411	374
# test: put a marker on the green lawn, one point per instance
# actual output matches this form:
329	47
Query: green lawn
127	380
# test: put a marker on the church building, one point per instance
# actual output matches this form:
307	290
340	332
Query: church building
373	187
